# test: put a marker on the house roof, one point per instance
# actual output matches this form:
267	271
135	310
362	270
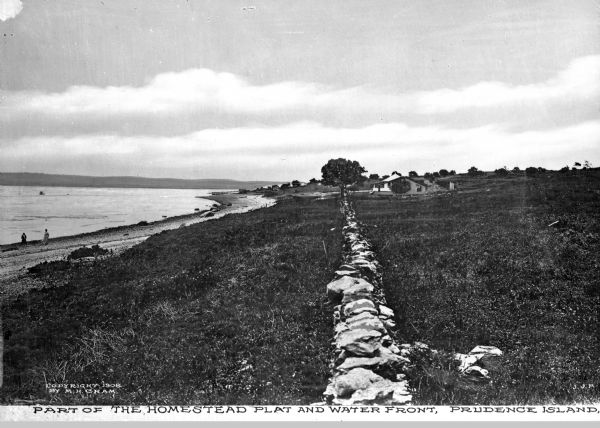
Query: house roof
391	178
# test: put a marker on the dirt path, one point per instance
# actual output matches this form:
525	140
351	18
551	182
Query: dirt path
14	262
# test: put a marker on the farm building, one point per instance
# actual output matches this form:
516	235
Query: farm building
408	186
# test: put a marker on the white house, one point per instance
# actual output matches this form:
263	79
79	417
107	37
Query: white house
413	185
385	185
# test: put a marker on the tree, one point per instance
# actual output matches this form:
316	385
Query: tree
313	180
516	170
531	170
397	173
413	174
436	174
285	186
428	175
564	169
576	164
374	177
295	183
383	177
444	173
474	171
342	173
452	172
502	172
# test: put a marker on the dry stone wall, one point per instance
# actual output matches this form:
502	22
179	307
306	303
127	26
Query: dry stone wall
368	365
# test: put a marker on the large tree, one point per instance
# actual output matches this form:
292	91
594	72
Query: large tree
342	173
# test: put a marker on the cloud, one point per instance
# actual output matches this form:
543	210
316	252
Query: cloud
206	91
581	80
9	9
298	150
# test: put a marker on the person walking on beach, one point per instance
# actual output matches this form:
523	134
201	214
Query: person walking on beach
46	237
24	239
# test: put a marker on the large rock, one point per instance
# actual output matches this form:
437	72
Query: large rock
466	361
477	372
385	360
475	357
335	289
361	290
363	349
486	350
358	306
385	312
345	385
350	336
360	317
367	323
383	392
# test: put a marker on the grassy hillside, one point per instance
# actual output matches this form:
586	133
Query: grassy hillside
482	267
232	311
229	311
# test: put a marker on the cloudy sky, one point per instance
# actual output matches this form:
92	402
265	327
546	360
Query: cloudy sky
261	89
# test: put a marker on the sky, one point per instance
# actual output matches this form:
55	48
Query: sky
272	90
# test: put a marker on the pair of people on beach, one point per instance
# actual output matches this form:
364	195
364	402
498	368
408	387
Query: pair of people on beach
44	240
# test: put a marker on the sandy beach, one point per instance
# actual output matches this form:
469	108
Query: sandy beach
16	259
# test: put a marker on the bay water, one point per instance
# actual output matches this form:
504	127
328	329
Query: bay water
72	210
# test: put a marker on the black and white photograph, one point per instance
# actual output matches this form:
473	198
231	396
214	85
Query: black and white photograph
244	210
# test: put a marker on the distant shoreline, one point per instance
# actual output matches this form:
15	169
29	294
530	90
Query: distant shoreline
32	179
16	257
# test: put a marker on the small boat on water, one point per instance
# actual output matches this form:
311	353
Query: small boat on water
42	193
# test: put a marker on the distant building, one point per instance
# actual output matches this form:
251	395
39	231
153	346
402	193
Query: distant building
385	185
412	186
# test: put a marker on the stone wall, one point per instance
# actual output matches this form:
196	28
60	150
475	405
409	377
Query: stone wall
368	365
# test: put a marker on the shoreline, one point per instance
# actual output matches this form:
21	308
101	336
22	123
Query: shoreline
15	259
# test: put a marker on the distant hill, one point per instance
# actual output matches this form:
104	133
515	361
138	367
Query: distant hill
55	180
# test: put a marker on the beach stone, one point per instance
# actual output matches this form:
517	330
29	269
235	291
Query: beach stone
356	379
358	306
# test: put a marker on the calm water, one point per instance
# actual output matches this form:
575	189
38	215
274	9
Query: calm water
72	210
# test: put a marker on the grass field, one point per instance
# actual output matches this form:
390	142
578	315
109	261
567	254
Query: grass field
228	311
482	267
233	311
